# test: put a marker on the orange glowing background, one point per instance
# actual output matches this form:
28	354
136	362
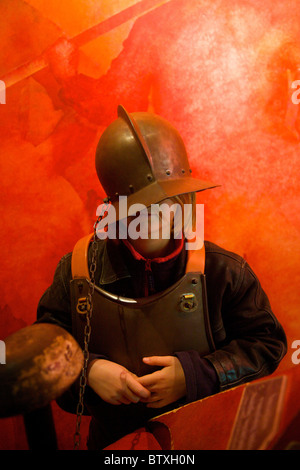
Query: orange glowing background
220	71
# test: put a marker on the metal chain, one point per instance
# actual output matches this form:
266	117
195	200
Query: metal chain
87	331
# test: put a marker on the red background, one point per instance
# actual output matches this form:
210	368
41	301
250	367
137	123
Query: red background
219	71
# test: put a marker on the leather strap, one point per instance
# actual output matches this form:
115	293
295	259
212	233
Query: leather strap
79	264
80	268
196	261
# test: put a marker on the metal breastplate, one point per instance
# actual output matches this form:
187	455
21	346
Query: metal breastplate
126	330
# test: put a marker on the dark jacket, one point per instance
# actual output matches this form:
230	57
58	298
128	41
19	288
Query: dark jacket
249	340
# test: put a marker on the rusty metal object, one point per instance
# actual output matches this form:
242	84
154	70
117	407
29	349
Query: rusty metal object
42	362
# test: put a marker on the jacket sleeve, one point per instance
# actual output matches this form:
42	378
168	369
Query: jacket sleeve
254	341
249	340
55	304
55	307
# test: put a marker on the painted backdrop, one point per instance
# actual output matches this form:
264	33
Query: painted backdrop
221	72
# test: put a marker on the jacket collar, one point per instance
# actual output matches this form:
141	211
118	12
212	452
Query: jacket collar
113	267
136	255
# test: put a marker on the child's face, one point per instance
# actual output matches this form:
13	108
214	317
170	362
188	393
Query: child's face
150	231
154	222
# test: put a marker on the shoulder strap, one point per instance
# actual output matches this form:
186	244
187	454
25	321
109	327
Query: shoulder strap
80	268
79	264
196	261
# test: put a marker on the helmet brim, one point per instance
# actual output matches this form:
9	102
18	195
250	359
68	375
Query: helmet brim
157	191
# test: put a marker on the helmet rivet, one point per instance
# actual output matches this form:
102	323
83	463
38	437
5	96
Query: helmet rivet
116	194
149	177
168	172
182	171
190	171
131	188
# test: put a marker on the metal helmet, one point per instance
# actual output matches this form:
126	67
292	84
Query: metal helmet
142	156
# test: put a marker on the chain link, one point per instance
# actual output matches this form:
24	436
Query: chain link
87	331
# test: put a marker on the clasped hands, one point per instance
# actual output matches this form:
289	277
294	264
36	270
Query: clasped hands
117	385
